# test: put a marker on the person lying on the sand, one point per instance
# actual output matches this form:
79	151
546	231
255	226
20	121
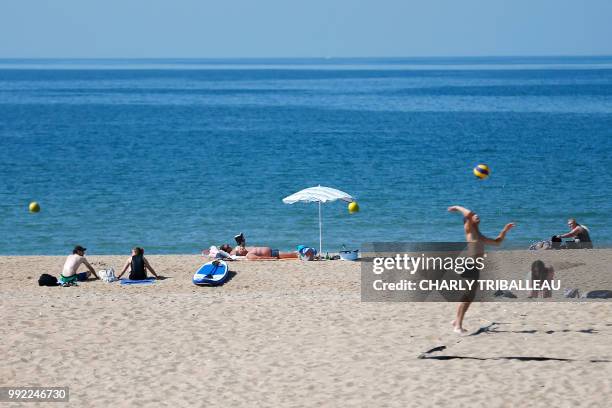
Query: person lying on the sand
580	233
254	253
71	266
473	235
539	272
139	266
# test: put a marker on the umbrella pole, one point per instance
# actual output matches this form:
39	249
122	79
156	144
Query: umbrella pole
320	234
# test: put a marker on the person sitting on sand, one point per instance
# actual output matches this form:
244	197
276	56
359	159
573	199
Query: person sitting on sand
473	235
540	273
255	253
580	233
71	266
139	266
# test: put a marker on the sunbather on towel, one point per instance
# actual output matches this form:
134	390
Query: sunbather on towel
72	264
254	253
139	266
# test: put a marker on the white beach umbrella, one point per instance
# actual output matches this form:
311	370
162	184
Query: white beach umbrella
319	195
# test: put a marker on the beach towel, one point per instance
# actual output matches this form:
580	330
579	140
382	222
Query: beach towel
147	281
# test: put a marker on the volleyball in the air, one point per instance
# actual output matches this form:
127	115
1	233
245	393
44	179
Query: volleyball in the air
353	207
482	171
34	207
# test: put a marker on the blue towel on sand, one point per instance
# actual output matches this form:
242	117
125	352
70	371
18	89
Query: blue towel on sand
147	281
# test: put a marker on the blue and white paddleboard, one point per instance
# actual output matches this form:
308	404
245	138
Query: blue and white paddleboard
212	273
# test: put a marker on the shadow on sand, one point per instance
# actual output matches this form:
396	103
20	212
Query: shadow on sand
492	329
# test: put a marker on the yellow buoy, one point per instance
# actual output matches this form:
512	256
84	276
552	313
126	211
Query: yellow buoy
353	207
34	207
482	171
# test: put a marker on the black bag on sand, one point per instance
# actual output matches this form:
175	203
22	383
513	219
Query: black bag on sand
599	294
47	280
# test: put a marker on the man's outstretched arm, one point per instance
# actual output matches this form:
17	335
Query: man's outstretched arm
572	233
91	269
464	211
500	238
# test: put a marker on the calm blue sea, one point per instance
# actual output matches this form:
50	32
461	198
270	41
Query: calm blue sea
175	155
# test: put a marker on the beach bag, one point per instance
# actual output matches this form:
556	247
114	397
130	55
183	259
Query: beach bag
216	253
571	293
306	253
599	294
541	245
505	293
107	275
47	280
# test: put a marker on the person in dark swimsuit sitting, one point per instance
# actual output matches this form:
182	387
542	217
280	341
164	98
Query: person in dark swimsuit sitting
580	233
139	266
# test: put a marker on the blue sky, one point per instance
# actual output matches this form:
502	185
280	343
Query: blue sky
305	28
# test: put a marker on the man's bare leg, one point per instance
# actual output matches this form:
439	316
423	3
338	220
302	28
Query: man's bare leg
287	255
281	255
458	322
255	257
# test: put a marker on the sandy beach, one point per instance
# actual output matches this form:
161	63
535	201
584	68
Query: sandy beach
292	333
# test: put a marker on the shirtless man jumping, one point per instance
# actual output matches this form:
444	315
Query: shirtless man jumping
473	235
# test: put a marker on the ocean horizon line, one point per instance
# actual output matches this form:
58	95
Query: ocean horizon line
312	63
301	58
